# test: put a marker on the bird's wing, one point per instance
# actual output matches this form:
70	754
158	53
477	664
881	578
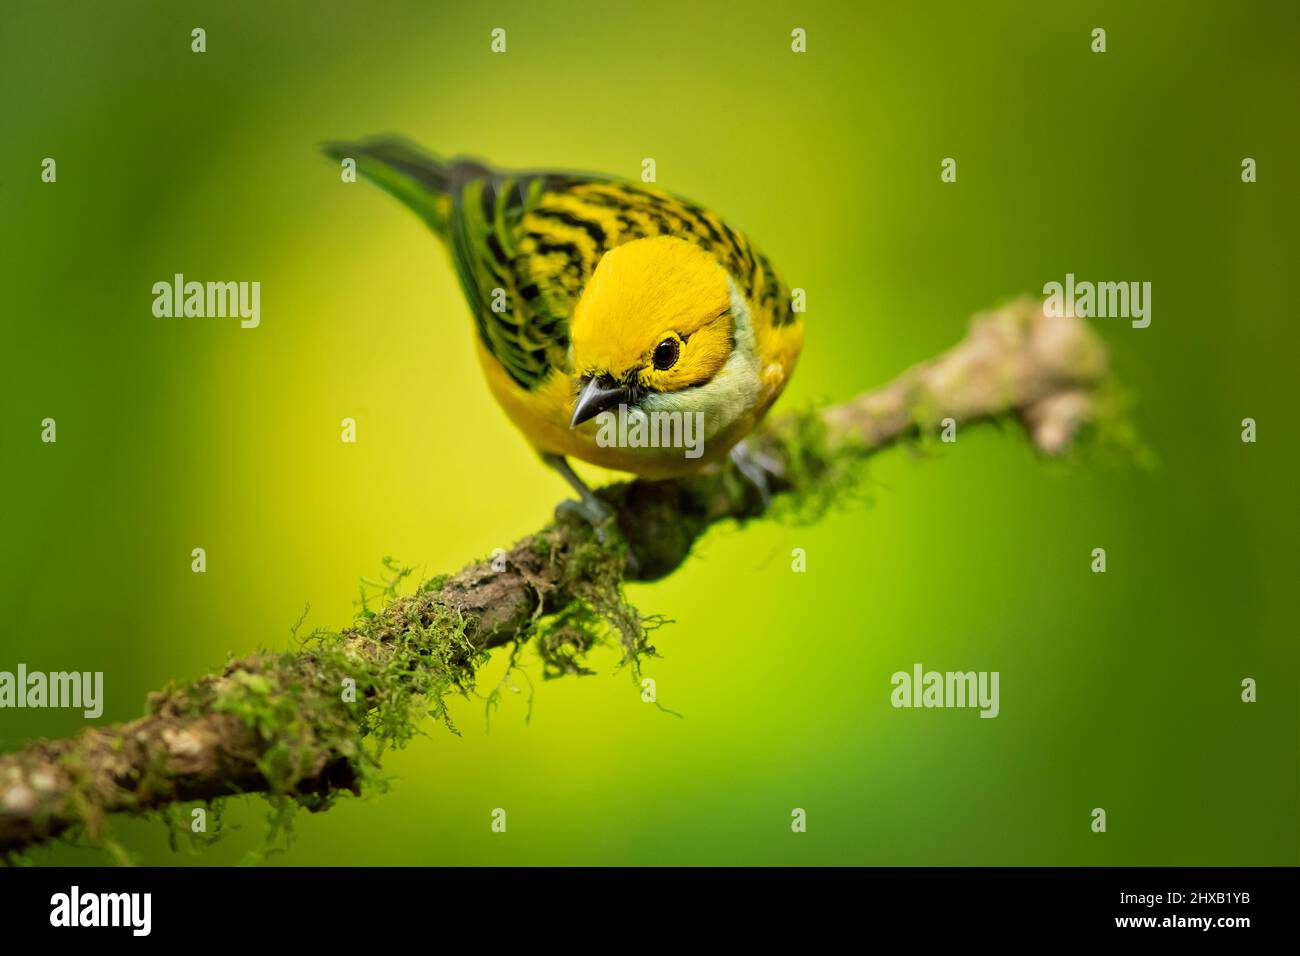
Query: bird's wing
521	311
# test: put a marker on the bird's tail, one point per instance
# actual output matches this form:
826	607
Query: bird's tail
422	182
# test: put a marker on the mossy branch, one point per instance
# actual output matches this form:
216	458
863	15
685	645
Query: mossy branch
311	724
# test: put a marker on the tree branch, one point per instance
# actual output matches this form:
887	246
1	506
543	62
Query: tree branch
284	724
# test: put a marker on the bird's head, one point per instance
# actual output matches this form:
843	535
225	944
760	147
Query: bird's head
654	328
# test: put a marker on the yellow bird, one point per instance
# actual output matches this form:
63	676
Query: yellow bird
617	324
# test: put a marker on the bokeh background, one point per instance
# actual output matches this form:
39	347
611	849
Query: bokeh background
1118	691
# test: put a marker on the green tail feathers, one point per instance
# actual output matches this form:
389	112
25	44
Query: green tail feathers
422	182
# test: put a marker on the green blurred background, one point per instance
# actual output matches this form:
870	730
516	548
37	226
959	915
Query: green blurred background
1118	691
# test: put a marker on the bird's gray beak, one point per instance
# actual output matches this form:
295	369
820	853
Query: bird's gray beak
599	395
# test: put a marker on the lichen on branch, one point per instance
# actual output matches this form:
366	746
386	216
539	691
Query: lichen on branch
307	725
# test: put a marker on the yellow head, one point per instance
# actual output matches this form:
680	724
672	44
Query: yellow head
655	319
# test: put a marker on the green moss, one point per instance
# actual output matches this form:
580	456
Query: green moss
818	474
324	716
435	583
1112	433
594	576
493	700
564	640
279	833
179	818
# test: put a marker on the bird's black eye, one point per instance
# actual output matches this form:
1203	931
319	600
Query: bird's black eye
666	353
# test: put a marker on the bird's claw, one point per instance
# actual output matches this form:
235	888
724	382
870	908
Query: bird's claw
592	510
756	468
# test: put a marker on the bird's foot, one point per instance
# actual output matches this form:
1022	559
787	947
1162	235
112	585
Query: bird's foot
758	469
594	511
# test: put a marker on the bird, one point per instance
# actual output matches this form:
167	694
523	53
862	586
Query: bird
595	296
